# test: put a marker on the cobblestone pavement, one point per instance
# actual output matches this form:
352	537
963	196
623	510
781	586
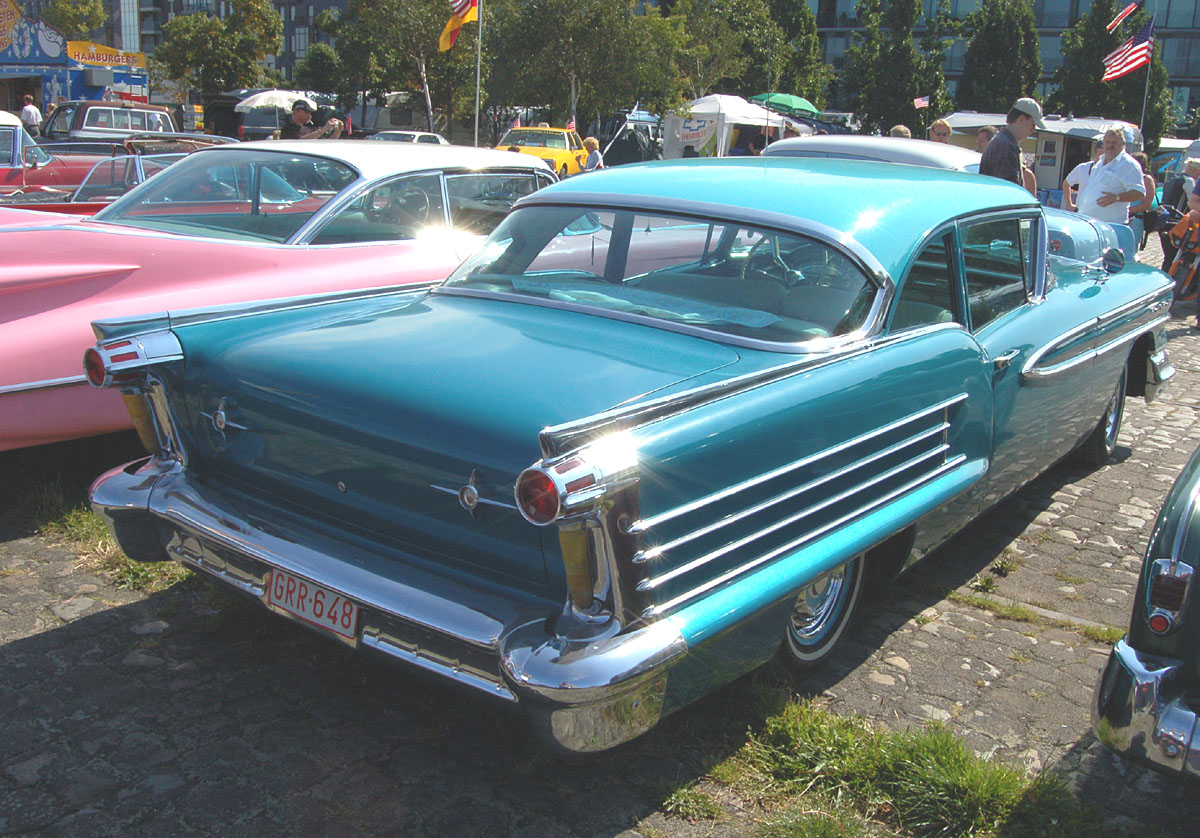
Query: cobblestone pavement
189	712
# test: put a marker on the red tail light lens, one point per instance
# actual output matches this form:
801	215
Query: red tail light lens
93	365
1160	624
1167	592
537	497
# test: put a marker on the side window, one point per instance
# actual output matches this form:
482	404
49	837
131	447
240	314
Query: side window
61	122
927	296
479	202
137	120
998	267
121	119
392	211
98	118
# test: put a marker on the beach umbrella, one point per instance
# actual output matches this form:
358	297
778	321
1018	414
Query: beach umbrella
275	99
787	103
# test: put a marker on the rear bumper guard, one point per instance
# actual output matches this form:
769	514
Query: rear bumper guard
1138	711
583	694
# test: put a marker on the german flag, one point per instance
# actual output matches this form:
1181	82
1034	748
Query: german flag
461	11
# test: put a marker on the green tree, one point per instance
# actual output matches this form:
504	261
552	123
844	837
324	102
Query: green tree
715	45
941	30
884	70
75	19
1081	91
320	68
211	55
803	71
1003	60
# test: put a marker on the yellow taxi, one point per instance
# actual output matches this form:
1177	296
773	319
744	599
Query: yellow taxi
561	148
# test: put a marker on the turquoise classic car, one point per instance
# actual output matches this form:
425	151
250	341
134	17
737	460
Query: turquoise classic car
1145	703
659	430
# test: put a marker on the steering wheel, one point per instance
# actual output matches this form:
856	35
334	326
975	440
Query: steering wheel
766	262
416	205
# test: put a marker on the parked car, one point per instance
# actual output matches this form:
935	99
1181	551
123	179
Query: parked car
659	429
98	120
144	155
561	148
26	167
889	149
410	137
1145	703
228	224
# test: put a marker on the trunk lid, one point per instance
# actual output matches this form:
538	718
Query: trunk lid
384	417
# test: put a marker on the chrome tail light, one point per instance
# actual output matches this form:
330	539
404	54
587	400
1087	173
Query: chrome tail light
122	362
1167	590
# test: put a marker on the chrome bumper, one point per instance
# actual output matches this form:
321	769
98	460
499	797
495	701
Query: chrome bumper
1138	711
1159	372
583	694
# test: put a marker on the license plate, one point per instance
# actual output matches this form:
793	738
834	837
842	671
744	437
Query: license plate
313	604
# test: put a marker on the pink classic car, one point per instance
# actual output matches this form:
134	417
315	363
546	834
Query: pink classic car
225	225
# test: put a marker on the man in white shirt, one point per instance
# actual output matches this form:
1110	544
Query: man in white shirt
1073	183
31	117
1115	182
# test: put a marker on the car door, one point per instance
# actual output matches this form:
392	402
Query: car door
1037	417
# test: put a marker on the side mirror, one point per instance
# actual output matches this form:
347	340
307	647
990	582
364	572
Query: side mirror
1112	261
30	159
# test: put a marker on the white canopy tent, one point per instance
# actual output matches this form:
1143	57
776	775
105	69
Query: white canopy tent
708	129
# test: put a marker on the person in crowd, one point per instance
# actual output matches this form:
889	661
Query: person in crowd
595	160
756	145
301	127
31	117
1077	177
1002	157
1028	179
940	131
1146	206
1115	182
1177	193
900	131
984	137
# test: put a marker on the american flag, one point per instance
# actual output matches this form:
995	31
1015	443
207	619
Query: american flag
1124	13
1134	53
571	124
516	123
922	102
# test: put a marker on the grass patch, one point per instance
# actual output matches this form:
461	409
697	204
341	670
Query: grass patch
1102	634
693	804
1006	564
920	782
52	511
1021	614
982	584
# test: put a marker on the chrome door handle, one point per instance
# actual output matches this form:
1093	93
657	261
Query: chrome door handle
1001	362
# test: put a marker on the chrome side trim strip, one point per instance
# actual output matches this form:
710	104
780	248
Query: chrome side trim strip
654	552
654	581
48	384
655	520
662	608
1031	374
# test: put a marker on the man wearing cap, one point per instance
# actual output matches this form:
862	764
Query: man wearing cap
1002	157
301	127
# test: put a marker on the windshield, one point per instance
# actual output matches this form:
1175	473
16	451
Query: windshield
534	138
253	195
732	278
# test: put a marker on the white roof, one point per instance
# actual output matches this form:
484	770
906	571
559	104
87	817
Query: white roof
375	160
1087	127
736	110
889	149
9	119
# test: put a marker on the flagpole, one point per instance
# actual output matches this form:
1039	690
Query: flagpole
1146	92
478	62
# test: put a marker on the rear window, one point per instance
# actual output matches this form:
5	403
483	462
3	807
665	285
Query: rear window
731	278
535	139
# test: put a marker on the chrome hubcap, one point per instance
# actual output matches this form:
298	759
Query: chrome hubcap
817	607
1112	419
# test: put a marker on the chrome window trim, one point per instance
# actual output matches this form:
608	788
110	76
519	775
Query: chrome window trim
723	214
660	609
45	384
811	347
699	503
15	159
